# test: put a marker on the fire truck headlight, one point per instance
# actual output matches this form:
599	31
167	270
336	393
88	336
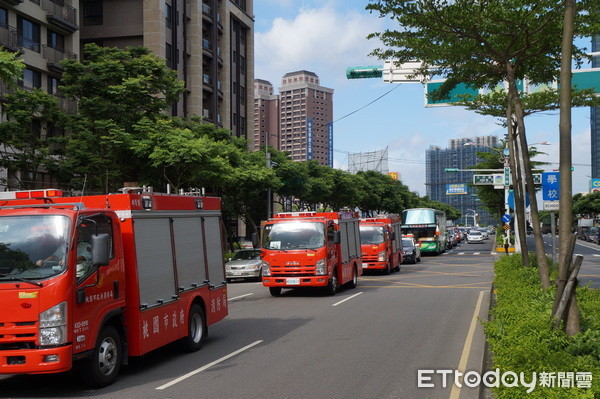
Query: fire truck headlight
53	324
321	267
266	269
53	336
382	256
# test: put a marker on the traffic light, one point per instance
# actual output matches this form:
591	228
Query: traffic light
374	71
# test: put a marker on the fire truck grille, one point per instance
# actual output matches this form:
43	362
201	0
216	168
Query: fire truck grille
18	335
370	258
299	271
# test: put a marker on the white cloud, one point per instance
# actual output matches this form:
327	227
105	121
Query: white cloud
323	40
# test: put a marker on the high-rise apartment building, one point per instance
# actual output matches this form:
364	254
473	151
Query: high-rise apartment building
454	188
306	113
209	43
595	117
266	116
43	32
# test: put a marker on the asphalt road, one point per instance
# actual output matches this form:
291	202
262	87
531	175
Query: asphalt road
367	342
590	268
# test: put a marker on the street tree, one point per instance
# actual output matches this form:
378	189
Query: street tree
483	45
116	89
11	68
28	139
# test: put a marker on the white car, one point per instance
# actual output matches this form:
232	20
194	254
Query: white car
246	263
475	236
485	233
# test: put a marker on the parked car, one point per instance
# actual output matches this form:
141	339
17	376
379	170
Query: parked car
412	251
475	236
245	263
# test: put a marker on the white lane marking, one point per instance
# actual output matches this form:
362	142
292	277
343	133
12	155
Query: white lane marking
238	297
494	253
462	365
596	255
476	253
461	253
192	373
347	299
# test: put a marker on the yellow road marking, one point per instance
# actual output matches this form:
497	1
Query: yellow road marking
462	365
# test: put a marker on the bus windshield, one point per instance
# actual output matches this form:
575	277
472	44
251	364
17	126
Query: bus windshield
293	235
33	247
419	216
371	234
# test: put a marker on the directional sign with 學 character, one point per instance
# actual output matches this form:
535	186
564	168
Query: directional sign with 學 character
550	186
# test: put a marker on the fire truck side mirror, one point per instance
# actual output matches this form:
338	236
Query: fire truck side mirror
337	237
100	249
255	240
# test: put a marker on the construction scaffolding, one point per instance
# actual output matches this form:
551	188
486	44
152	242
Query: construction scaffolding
363	161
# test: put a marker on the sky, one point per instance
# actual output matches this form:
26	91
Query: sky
327	36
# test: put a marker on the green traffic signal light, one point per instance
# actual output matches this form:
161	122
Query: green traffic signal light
374	71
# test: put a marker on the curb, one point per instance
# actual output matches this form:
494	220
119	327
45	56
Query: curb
486	362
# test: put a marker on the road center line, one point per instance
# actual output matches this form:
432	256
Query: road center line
192	373
344	300
238	297
462	365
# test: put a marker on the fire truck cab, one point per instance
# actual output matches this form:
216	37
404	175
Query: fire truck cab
96	279
381	243
310	249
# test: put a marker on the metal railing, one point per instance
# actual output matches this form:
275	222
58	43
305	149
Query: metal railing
9	38
59	9
55	55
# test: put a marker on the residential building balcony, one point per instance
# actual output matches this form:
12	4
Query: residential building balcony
9	38
54	56
60	14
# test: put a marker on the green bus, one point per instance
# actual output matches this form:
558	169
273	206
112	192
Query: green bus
428	227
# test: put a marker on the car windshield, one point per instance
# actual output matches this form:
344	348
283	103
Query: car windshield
371	234
246	255
475	233
293	235
33	247
407	243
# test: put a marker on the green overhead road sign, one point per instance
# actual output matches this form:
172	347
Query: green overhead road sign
582	79
375	71
498	179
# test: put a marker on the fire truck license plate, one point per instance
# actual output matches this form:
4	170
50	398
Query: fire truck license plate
292	281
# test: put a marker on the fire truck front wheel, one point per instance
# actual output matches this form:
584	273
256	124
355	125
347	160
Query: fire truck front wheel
333	285
102	368
196	329
275	291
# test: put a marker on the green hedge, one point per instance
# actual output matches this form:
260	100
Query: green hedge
521	338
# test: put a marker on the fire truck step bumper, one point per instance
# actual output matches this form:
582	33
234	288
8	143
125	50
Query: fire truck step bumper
36	361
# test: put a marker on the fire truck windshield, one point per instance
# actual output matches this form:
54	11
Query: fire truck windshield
293	235
371	234
33	247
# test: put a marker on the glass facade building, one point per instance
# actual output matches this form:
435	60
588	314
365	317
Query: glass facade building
595	118
455	188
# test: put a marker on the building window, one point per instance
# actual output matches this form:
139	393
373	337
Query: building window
53	85
169	16
56	40
32	79
169	55
3	18
240	3
29	34
92	12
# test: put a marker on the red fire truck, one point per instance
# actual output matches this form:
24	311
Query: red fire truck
381	242
310	249
95	279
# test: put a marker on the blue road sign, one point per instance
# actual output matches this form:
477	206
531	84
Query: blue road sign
506	218
550	186
511	200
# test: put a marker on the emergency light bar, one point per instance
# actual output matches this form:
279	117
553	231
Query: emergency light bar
31	194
